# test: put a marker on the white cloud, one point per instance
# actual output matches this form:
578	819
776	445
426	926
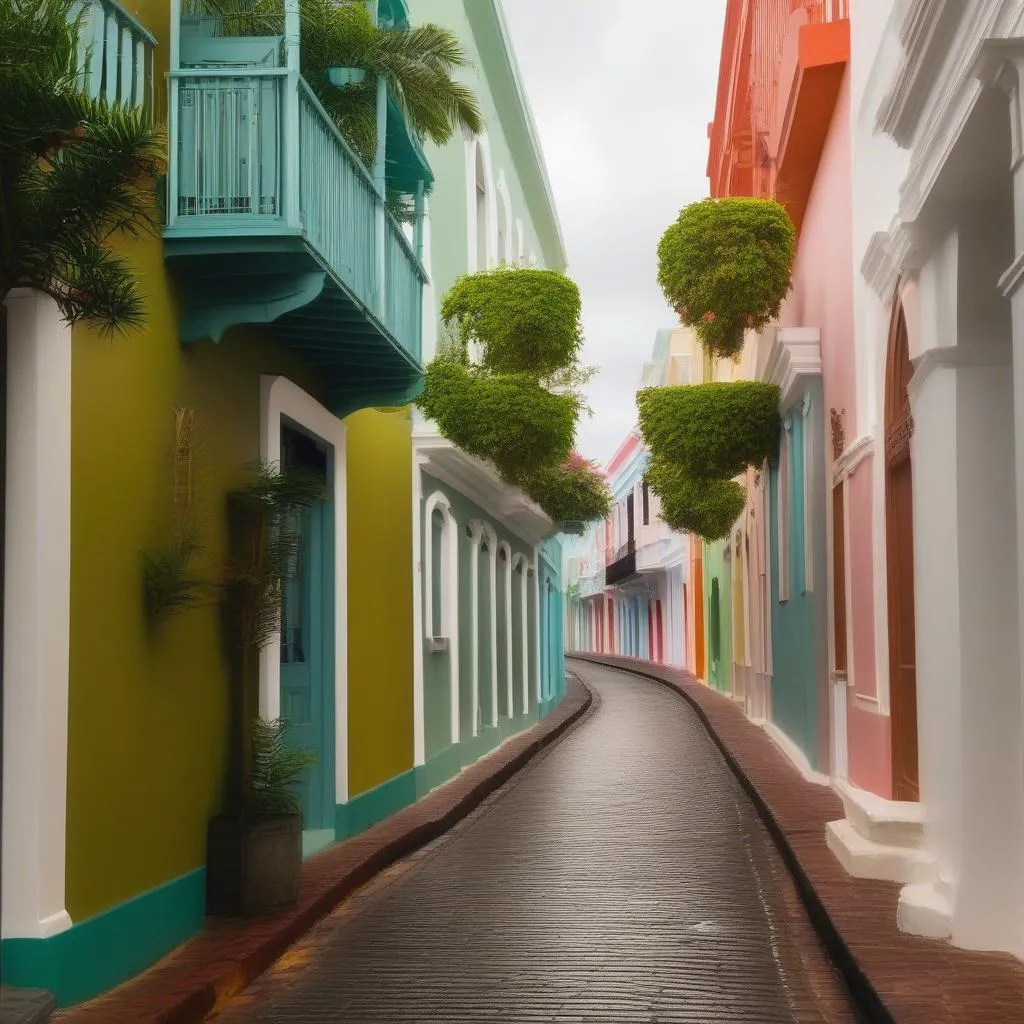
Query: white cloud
622	95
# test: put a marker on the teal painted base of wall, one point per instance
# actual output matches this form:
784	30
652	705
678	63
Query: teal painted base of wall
366	809
103	951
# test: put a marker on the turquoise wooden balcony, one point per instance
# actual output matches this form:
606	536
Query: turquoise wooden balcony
273	220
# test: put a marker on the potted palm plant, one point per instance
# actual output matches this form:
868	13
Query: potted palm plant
254	848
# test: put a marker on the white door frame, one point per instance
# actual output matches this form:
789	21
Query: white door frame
282	401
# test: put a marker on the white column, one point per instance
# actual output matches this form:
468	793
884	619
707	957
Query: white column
492	544
451	592
474	591
968	659
524	595
509	664
37	616
420	526
539	681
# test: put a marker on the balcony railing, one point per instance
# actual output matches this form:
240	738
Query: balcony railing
115	53
257	154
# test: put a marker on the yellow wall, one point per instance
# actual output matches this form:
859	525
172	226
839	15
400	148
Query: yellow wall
147	714
380	623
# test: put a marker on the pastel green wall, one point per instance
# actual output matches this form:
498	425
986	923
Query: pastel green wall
495	91
147	710
437	667
380	596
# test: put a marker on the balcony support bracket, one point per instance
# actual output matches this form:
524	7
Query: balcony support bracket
214	305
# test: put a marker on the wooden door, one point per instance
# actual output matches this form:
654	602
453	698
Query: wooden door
899	502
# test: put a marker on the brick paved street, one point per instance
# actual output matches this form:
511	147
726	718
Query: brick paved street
623	876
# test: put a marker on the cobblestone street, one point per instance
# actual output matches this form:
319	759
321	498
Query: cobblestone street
623	876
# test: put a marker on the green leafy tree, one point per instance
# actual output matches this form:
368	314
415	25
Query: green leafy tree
725	266
708	508
75	173
420	63
574	492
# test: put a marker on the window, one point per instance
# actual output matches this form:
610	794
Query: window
481	209
783	506
646	503
839	576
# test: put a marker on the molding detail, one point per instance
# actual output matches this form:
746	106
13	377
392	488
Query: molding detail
795	355
925	32
878	267
955	357
852	457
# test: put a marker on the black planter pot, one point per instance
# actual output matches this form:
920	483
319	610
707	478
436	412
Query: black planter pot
253	864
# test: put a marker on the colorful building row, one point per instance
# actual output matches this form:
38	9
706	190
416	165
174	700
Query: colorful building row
867	606
288	319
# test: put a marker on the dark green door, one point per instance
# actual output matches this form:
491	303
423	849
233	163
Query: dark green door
307	634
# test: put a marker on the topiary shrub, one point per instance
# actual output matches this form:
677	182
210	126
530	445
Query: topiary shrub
574	492
506	418
711	431
708	508
526	320
725	266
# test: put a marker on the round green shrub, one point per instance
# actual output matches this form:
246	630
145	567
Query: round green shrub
506	418
570	493
708	508
725	266
527	321
711	430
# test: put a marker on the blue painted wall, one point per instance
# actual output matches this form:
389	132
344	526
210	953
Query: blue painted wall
799	624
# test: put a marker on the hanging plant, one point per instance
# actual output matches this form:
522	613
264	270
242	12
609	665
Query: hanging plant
725	266
506	418
711	431
171	583
525	320
708	508
576	492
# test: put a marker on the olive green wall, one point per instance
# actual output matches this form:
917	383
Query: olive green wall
147	709
380	596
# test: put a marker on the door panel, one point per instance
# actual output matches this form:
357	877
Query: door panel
903	672
307	652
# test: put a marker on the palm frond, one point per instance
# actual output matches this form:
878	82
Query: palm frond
276	767
74	171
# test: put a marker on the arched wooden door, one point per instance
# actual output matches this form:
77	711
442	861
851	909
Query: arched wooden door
899	525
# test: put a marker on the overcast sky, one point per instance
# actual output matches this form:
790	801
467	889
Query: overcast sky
622	94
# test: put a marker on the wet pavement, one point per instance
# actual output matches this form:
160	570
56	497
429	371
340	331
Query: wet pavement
622	877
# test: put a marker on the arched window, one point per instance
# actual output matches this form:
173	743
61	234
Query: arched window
505	254
481	209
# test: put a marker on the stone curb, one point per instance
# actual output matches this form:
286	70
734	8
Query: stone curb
190	984
867	1002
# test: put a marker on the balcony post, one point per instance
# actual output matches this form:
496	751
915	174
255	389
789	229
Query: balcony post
418	234
380	184
172	115
292	41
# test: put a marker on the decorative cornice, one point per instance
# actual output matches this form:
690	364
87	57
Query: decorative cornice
852	457
878	267
481	483
795	355
956	90
925	32
955	357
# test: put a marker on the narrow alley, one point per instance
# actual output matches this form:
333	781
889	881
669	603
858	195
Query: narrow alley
623	876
